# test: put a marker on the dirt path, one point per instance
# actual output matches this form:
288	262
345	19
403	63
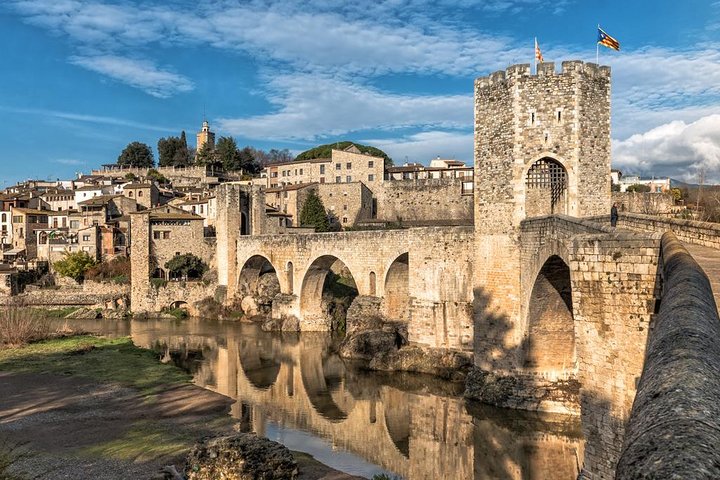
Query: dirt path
82	429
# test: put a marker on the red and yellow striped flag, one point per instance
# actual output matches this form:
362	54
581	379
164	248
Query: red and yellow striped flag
538	53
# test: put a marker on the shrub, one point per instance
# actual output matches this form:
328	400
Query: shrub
158	282
178	313
639	188
19	325
116	270
186	266
74	265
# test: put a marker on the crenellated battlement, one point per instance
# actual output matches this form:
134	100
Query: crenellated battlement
545	69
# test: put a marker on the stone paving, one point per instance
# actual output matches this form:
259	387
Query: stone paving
709	260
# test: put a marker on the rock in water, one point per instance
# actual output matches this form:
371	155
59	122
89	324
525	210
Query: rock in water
367	344
242	456
249	306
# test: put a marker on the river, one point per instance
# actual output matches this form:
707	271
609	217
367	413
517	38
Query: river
294	389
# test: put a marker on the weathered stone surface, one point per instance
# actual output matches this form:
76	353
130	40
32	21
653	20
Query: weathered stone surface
249	306
285	324
242	456
85	313
364	314
267	287
526	392
448	364
674	427
367	344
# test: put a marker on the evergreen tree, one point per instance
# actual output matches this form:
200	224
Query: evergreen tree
182	154
313	213
166	151
206	156
248	162
137	155
228	154
173	151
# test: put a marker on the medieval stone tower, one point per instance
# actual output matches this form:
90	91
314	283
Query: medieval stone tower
542	146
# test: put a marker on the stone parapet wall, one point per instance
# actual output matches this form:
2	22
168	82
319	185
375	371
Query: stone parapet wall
105	295
674	427
647	203
689	231
423	200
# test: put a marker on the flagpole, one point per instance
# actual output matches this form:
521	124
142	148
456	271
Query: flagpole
597	50
535	56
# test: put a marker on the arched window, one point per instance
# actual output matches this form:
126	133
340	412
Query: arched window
372	284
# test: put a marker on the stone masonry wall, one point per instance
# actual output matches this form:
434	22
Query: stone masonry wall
673	428
153	300
615	284
647	203
423	200
347	202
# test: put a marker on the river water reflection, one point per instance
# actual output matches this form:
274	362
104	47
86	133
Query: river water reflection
292	388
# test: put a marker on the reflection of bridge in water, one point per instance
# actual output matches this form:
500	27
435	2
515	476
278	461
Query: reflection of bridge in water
420	429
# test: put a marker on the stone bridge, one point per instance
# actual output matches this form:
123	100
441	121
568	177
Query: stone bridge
422	275
569	335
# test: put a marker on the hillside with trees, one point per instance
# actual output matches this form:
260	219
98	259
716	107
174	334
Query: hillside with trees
174	152
325	151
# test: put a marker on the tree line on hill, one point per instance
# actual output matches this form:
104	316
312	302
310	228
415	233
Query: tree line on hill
175	152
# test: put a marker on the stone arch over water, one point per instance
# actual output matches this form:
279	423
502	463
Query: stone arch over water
546	188
550	346
322	277
396	304
250	273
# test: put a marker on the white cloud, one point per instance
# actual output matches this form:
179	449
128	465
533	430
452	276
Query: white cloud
677	149
79	117
69	161
424	146
307	37
309	106
141	74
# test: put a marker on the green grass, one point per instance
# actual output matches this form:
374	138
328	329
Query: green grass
144	441
114	360
178	313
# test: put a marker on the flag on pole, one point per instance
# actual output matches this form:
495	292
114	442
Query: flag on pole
538	53
606	40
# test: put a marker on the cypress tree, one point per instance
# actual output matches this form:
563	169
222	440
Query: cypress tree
313	213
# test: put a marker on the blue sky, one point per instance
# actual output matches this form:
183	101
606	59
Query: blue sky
82	78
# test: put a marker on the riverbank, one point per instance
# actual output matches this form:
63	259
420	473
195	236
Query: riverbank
89	407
